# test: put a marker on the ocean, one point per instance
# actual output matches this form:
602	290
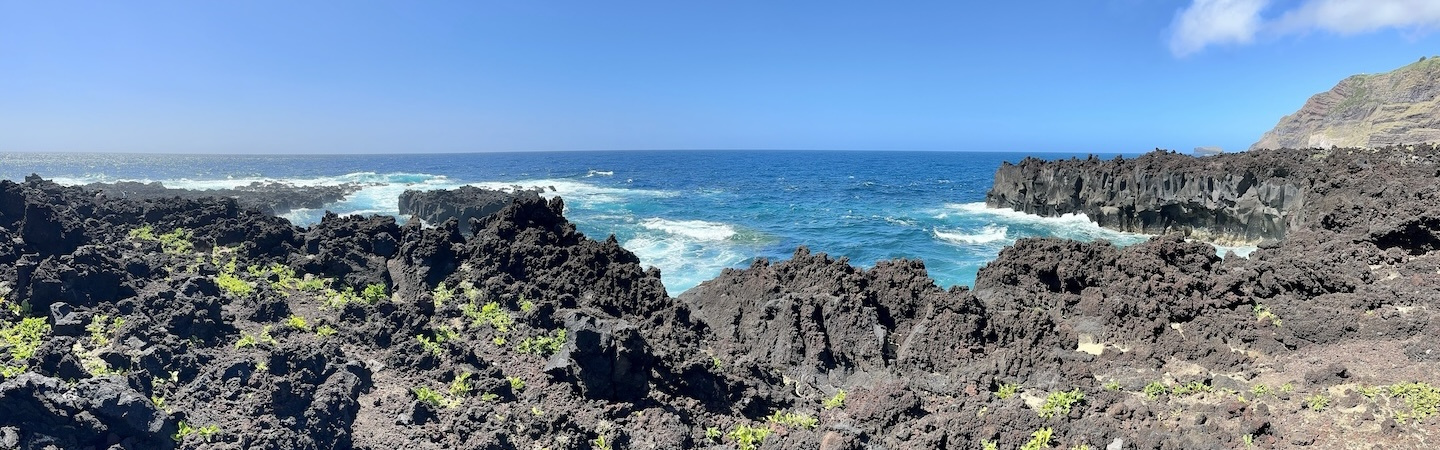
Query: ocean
689	213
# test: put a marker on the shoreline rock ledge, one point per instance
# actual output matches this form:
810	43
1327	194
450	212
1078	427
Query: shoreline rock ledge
1237	199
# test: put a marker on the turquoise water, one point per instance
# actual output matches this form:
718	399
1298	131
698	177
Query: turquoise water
690	213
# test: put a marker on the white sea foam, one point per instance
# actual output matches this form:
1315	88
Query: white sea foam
1069	226
600	173
986	235
693	229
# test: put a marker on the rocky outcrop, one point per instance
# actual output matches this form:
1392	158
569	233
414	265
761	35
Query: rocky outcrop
1371	110
463	203
271	197
1250	197
525	333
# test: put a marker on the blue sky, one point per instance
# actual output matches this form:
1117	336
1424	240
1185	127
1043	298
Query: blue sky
386	77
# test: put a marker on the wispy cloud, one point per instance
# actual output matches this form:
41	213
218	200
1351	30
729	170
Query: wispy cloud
1227	22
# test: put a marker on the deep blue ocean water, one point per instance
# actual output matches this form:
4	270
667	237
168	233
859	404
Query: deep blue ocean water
690	213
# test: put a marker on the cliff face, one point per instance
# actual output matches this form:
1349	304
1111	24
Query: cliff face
1159	193
1398	107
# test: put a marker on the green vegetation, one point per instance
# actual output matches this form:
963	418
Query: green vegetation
24	338
373	294
489	397
1249	440
1112	385
1422	399
430	397
1317	402
712	433
794	420
1259	390
186	430
233	285
441	295
8	371
158	401
526	305
246	340
430	345
536	411
1287	388
599	443
461	386
1060	403
325	331
1007	390
1262	312
836	401
989	445
516	384
102	328
543	345
143	233
332	298
177	242
489	314
1040	439
748	437
1193	387
297	322
1154	389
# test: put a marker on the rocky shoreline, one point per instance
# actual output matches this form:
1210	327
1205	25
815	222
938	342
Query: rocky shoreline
201	323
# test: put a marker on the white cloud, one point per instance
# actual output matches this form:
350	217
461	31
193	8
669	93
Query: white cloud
1220	22
1208	22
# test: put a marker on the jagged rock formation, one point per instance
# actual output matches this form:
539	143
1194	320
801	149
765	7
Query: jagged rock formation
463	203
1250	197
1371	110
243	331
272	197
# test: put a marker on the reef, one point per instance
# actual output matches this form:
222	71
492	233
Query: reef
200	323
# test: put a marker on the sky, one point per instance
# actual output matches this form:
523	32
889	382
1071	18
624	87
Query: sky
359	76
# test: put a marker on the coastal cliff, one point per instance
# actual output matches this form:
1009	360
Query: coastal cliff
1370	110
199	323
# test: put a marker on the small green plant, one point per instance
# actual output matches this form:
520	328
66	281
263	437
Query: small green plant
430	397
499	341
1317	402
489	397
599	443
1193	387
1249	440
1262	312
430	345
186	430
233	285
1259	390
748	437
1080	447
325	331
24	338
297	322
246	340
526	305
142	233
1368	391
1112	385
836	401
373	294
794	420
177	242
489	314
712	433
1154	389
102	328
441	295
158	401
461	386
516	384
9	371
543	345
1423	399
1287	388
1040	439
1007	390
266	338
989	445
1060	403
716	363
536	411
338	299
